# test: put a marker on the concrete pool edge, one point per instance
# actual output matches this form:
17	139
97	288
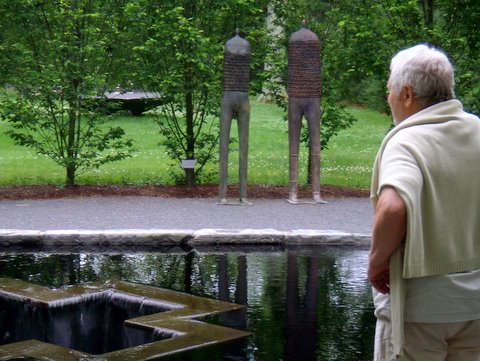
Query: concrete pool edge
180	237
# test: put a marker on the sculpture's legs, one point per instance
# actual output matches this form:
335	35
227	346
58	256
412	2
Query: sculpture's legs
313	118
234	103
226	114
243	130
295	114
310	107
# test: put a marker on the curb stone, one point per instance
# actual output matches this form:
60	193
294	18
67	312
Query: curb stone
180	237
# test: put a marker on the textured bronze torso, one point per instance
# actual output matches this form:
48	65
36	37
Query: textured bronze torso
236	72
304	69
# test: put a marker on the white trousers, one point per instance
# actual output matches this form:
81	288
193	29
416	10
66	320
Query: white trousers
456	341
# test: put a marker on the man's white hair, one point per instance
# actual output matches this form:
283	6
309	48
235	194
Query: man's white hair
427	70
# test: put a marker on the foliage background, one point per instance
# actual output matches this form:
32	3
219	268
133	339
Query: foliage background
176	47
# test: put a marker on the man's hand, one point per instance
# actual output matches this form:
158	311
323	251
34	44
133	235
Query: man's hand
379	277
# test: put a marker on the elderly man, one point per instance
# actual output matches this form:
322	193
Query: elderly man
424	262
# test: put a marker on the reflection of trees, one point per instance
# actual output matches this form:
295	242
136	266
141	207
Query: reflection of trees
188	272
116	267
266	311
165	270
205	275
341	314
43	269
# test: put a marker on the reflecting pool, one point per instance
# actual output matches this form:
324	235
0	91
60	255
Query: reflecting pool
302	304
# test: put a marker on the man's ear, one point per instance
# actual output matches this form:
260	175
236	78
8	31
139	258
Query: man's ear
408	96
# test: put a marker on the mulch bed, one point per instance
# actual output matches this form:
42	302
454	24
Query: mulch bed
199	191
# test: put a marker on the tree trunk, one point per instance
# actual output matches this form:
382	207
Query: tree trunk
190	153
190	172
428	7
189	12
70	179
71	166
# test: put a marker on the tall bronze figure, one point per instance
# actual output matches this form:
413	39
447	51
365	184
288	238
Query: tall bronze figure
304	90
235	103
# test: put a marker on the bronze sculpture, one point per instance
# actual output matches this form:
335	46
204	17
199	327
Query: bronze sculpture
304	90
235	103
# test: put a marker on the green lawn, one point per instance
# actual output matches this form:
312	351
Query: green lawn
349	159
347	162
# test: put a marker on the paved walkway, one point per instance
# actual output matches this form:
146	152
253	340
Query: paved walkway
154	220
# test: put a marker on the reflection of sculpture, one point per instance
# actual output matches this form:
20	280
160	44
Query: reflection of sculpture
235	103
304	100
301	321
234	319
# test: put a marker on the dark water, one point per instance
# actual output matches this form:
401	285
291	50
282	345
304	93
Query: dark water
302	305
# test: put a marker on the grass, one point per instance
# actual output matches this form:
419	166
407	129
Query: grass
349	159
347	162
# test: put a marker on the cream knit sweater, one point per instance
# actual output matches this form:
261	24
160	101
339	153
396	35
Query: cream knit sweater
432	159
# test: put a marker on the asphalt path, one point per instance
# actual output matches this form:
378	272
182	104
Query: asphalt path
351	215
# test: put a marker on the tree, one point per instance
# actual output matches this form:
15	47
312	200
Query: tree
59	56
449	25
457	21
178	53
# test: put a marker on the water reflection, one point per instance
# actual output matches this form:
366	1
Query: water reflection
302	314
302	304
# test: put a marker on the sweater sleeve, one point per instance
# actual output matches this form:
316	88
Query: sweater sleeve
400	170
